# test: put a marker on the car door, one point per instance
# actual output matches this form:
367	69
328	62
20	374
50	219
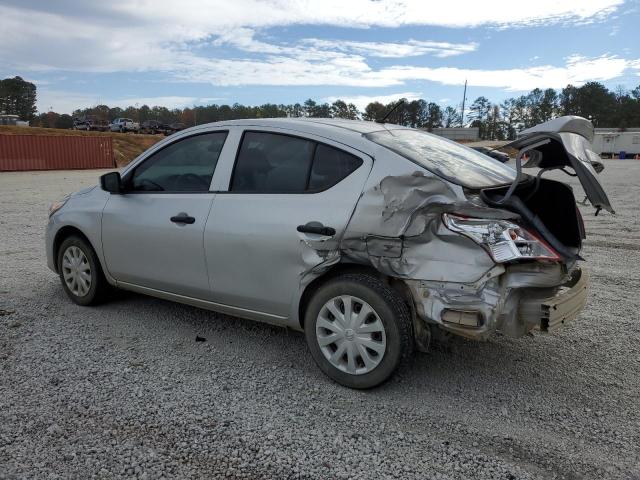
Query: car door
152	234
286	193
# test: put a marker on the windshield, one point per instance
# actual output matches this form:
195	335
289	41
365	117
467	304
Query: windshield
447	159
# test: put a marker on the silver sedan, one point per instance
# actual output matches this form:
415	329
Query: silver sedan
370	238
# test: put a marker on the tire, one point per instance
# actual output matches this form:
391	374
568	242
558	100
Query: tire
387	328
78	249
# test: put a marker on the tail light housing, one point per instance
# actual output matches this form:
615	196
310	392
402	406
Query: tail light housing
504	241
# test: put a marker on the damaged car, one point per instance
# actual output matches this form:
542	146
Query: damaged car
370	238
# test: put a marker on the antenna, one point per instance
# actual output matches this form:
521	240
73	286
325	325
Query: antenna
400	102
464	97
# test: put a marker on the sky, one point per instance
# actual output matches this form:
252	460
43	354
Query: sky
180	53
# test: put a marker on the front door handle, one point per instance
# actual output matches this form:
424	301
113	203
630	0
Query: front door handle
183	218
316	227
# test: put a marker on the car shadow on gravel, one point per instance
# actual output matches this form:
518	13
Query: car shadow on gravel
454	364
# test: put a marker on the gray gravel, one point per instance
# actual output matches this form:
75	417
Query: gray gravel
124	390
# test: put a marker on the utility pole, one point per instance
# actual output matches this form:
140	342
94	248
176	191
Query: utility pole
464	98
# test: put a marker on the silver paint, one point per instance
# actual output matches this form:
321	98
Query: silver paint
243	255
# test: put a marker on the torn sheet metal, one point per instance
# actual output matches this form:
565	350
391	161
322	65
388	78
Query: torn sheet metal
496	297
397	228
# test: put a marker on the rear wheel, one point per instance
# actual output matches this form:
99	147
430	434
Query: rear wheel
358	330
80	272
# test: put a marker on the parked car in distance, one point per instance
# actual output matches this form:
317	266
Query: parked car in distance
90	122
175	127
124	125
369	238
153	126
493	153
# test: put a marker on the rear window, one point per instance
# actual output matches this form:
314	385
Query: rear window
331	165
447	159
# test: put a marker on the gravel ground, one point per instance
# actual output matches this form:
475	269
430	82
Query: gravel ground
123	390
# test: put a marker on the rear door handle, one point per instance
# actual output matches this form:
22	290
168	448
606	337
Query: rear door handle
183	218
317	227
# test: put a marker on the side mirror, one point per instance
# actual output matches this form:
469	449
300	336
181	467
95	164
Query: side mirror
111	182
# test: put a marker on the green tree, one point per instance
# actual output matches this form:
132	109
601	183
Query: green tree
340	109
508	113
374	111
451	117
479	114
433	117
548	105
18	97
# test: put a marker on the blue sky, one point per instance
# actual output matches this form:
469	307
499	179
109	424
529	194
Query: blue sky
192	52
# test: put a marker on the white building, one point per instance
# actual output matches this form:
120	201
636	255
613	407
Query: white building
612	141
14	120
471	134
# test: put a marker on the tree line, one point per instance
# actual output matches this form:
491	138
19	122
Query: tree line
495	121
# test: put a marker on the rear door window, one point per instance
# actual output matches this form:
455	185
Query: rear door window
277	163
272	163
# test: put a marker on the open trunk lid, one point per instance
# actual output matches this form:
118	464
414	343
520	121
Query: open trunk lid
565	142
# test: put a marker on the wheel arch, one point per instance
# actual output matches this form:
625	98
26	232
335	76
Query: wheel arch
344	268
64	233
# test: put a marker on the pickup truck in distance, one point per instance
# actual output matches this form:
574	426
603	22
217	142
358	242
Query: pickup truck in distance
153	126
90	122
124	125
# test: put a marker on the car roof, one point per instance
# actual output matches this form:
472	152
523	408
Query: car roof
349	132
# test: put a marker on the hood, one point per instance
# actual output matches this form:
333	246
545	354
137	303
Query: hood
565	142
84	191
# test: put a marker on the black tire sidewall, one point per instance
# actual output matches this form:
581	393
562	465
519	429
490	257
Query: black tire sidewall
97	286
386	312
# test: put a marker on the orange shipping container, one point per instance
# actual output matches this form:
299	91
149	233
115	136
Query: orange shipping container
40	152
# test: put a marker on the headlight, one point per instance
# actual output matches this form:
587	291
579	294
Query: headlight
505	241
55	206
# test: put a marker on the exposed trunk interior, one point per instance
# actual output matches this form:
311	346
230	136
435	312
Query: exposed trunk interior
549	207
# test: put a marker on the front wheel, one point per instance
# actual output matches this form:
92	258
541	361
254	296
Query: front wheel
358	330
80	272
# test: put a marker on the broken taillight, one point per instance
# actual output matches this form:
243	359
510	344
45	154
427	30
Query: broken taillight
505	241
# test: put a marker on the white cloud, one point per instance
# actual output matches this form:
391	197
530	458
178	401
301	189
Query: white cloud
361	101
576	71
124	35
411	48
354	71
175	38
205	16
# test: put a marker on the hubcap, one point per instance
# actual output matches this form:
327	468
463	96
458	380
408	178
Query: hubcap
76	271
351	335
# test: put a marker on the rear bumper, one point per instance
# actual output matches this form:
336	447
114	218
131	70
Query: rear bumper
513	300
552	312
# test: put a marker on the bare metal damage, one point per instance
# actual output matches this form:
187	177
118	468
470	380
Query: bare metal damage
397	229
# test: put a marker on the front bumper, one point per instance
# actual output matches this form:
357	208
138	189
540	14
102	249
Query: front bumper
50	233
512	300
